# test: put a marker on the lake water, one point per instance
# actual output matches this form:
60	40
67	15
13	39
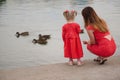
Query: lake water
45	17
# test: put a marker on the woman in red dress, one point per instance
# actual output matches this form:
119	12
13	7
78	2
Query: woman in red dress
71	39
101	42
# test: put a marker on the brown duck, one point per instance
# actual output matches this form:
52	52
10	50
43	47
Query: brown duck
44	37
39	41
21	34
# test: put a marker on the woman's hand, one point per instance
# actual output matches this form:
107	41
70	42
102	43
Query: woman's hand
86	42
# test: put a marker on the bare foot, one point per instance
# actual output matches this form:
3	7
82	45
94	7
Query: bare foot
79	63
70	63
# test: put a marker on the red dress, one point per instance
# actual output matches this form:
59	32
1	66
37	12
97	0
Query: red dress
72	42
104	46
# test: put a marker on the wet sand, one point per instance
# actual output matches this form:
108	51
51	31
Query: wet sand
61	71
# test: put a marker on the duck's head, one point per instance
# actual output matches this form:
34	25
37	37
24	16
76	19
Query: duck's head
40	35
17	34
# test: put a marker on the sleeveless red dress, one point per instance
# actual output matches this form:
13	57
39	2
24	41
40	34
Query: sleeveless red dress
72	42
104	46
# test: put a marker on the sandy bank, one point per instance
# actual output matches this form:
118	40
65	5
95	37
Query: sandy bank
61	71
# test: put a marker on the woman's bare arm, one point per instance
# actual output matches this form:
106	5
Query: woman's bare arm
91	36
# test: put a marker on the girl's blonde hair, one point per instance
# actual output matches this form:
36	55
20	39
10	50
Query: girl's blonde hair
70	15
91	18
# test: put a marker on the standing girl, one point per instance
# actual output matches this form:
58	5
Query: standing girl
101	42
71	39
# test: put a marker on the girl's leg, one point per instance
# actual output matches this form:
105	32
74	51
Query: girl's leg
79	62
70	61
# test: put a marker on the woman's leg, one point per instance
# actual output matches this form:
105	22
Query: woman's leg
101	60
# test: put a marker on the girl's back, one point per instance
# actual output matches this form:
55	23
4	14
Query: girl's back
71	30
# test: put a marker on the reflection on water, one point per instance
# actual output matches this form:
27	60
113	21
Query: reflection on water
45	17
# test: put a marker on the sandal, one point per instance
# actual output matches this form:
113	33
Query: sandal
102	61
97	59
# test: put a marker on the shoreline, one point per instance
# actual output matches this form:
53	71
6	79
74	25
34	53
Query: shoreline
90	70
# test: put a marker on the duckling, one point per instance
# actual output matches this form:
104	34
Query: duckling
39	41
45	37
22	34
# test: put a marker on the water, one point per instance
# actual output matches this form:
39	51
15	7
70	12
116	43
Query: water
45	17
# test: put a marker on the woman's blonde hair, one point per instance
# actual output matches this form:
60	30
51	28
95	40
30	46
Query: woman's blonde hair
70	15
91	18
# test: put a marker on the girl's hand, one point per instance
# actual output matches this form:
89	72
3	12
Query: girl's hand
82	31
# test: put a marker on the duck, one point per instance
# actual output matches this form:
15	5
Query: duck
44	37
39	41
22	34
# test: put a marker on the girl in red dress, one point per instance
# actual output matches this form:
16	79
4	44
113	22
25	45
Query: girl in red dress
71	39
101	42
